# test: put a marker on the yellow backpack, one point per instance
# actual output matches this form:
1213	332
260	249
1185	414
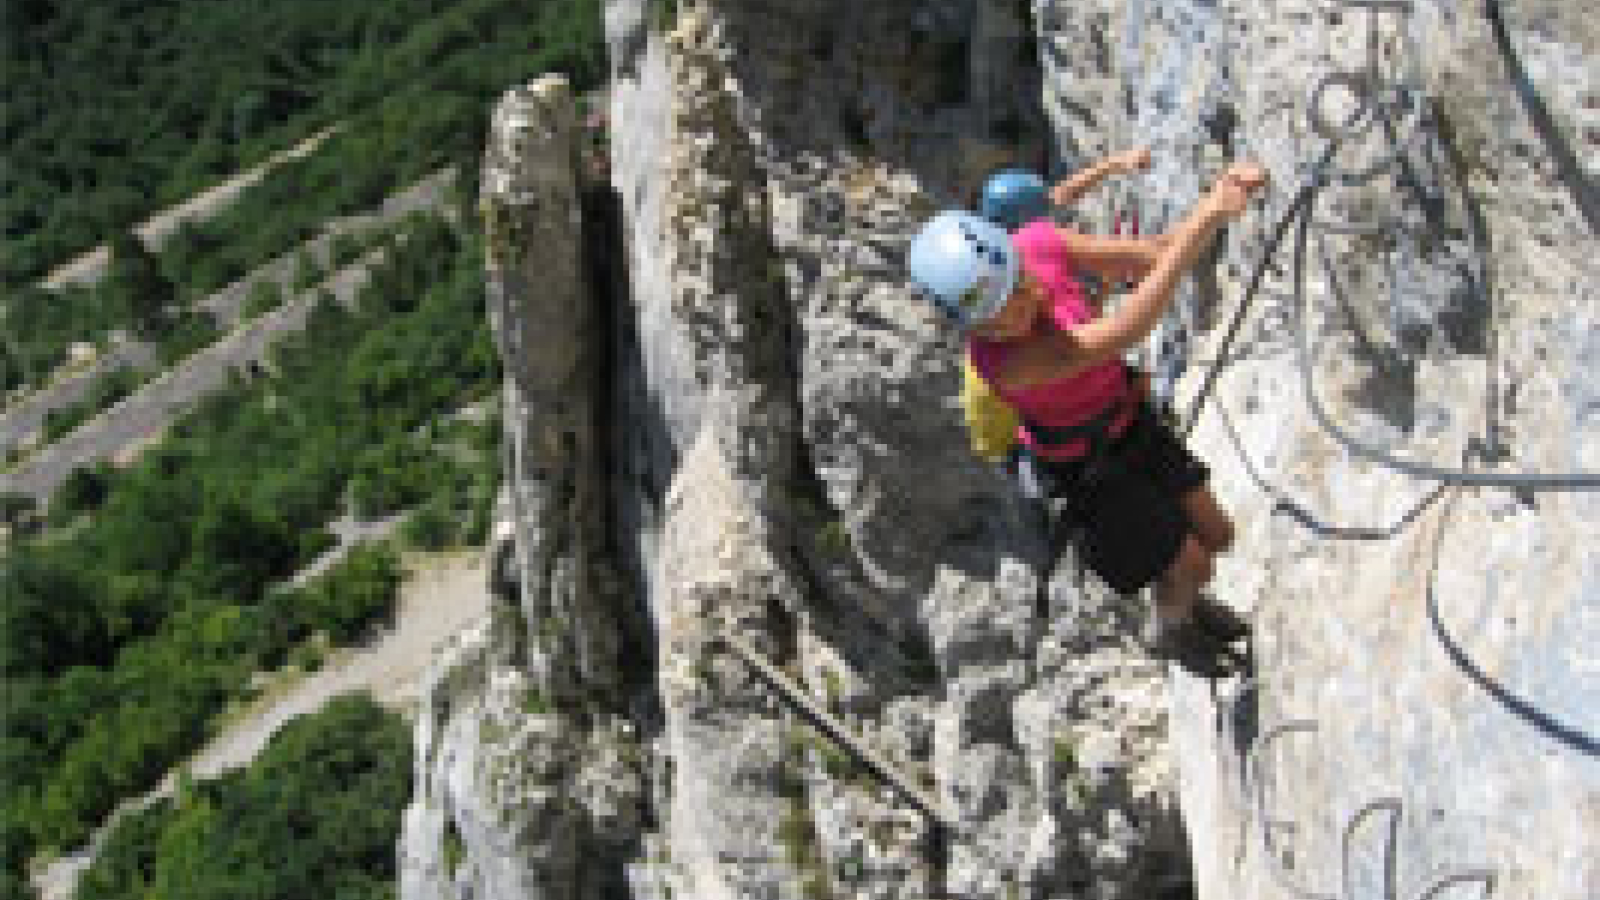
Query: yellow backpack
991	422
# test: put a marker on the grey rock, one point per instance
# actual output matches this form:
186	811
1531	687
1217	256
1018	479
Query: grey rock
539	303
1402	653
785	460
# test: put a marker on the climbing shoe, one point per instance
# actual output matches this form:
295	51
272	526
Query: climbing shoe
1191	646
1221	622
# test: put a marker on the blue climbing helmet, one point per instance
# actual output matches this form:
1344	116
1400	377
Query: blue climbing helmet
1013	198
964	265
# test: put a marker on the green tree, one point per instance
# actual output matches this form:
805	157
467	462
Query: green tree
83	490
317	814
15	507
185	852
146	524
360	592
186	332
161	656
146	289
432	526
265	296
45	619
127	861
235	551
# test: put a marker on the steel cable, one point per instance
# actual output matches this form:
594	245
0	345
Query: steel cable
1302	208
1283	503
1526	481
1301	198
1579	184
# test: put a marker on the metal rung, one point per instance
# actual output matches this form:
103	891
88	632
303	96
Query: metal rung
836	731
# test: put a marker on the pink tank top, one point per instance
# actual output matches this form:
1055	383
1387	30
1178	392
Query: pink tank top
1070	401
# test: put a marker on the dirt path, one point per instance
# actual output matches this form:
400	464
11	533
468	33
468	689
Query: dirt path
154	231
443	593
350	531
137	418
22	416
21	419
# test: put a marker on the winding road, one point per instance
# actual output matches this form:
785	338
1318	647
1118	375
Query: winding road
27	415
39	475
443	594
138	418
89	267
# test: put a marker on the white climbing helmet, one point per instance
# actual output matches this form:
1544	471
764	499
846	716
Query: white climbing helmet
965	265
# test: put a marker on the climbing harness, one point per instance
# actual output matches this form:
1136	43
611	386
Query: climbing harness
1065	489
1094	432
1084	471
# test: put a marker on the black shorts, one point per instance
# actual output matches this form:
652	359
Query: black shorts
1126	515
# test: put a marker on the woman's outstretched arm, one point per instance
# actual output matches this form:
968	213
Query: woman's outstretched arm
1070	190
1063	354
1114	258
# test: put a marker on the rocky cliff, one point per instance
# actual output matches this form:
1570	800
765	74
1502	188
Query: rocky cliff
728	424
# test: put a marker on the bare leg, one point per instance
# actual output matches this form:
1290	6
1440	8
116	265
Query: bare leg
1175	593
1214	531
1179	630
1211	525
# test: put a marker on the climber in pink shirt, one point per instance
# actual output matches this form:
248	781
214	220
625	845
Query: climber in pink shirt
1137	499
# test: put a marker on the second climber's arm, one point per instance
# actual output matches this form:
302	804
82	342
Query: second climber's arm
1071	190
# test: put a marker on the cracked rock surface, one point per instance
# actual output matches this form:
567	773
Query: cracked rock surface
726	414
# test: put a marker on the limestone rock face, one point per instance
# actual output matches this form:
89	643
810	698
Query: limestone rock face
1425	692
529	780
545	324
726	415
773	159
